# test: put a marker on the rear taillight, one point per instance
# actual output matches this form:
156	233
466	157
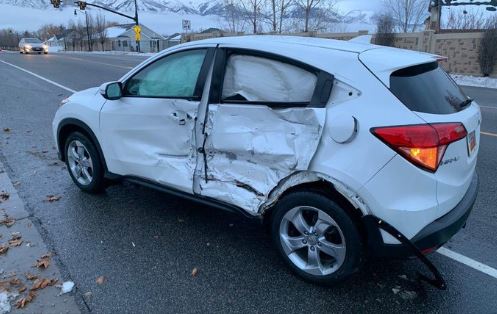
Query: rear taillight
423	144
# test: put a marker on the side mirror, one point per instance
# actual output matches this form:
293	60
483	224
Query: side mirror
111	90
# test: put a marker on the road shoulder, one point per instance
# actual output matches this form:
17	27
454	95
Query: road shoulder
23	246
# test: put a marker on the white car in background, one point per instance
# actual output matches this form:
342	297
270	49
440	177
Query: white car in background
32	45
341	148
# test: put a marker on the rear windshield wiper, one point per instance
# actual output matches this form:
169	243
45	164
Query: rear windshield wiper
466	102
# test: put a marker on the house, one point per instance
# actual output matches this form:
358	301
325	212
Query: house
122	38
55	44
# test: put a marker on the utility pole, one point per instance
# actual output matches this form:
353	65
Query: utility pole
83	4
137	28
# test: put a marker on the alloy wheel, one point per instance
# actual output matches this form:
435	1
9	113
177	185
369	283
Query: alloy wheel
80	162
312	240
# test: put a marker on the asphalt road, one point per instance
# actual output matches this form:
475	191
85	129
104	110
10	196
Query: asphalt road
146	243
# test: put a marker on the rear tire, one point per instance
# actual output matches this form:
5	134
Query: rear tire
316	238
84	164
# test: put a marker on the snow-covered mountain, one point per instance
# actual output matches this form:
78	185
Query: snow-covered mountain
165	16
200	7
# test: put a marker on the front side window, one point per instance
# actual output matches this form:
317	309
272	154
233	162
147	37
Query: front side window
174	76
256	79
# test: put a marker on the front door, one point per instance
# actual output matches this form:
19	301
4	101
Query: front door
149	132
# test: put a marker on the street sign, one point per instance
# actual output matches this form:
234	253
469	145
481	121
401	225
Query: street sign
138	32
187	25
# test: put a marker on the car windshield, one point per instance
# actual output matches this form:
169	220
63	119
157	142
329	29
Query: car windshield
32	40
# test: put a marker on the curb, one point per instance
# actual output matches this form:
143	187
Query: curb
19	259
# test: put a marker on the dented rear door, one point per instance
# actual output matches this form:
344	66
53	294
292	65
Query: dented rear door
264	122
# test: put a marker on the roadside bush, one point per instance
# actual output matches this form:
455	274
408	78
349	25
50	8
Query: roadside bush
487	55
385	26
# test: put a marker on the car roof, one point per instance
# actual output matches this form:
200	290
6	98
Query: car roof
274	41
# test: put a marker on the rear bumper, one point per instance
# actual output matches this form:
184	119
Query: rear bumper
430	237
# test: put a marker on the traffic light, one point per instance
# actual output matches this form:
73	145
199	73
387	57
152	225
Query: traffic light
55	3
81	4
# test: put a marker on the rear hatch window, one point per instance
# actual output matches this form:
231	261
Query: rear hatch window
427	88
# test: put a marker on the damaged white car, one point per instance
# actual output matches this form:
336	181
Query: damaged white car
342	148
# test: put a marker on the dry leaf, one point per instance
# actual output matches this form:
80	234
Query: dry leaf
100	280
4	285
24	301
15	239
22	289
194	272
14	243
3	249
15	236
53	198
43	262
4	196
30	276
43	283
15	282
8	221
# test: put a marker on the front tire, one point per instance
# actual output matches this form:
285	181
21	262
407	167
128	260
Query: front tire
84	164
316	238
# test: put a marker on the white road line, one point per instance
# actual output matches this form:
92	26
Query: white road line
97	62
488	134
40	77
488	107
492	272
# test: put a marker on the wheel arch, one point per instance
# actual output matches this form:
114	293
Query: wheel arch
322	184
71	125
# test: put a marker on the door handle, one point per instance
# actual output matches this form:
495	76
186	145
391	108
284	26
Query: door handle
180	117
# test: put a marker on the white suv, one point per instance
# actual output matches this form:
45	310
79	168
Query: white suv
342	148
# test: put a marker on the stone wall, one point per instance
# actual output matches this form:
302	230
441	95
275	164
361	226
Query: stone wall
460	49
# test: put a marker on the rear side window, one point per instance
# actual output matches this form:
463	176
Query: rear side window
255	79
427	88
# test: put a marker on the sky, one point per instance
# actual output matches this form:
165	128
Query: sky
170	23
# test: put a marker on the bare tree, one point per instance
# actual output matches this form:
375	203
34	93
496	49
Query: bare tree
233	15
101	29
80	31
284	5
316	13
277	13
464	20
253	12
487	55
408	14
89	30
385	26
49	30
9	38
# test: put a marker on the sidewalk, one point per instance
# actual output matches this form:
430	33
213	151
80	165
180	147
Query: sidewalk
26	286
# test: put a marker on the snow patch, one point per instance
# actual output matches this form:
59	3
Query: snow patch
66	287
466	80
